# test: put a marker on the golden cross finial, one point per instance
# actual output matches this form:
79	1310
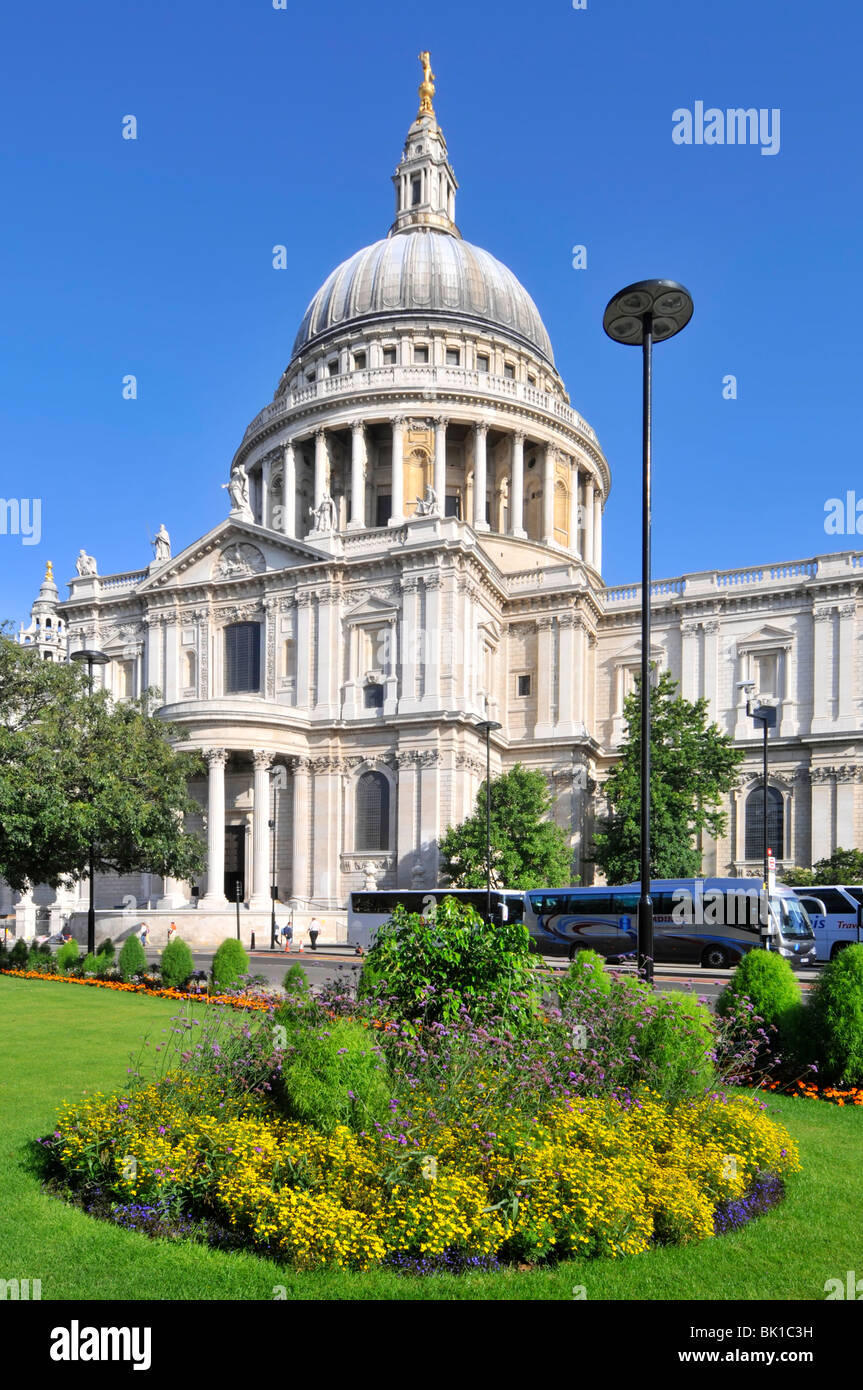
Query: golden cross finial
49	569
426	88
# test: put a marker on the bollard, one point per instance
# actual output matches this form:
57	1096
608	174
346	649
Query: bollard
252	947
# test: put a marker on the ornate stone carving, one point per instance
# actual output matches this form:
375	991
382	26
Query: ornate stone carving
262	759
239	612
239	561
215	757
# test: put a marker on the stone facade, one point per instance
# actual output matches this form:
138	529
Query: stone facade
414	544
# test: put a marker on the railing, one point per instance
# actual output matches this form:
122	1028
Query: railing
705	582
122	581
420	378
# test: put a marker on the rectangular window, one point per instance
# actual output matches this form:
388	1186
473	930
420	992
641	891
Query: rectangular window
389	357
452	506
421	354
242	658
531	380
384	506
416	190
523	685
453	357
509	371
481	362
359	361
333	366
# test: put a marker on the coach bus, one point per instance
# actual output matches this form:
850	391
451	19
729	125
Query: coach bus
836	911
369	910
710	922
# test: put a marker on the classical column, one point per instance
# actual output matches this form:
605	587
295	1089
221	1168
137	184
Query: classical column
431	649
304	646
480	476
823	789
597	530
822	672
545	678
215	894
407	838
259	899
397	491
566	720
266	480
321	461
516	510
588	520
845	798
358	476
411	635
711	666
326	695
548	494
845	711
440	425
289	491
301	826
574	537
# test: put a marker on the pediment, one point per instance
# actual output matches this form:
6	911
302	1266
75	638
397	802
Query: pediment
233	550
765	638
372	610
631	655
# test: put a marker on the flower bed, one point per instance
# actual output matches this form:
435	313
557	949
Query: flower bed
590	1177
238	1001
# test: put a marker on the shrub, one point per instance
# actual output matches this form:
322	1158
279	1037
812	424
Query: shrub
133	960
90	964
229	963
67	956
332	1076
295	982
766	979
4	955
431	967
177	964
834	1028
586	972
39	958
19	956
106	949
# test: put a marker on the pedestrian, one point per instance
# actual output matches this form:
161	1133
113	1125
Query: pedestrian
172	932
144	934
314	932
287	935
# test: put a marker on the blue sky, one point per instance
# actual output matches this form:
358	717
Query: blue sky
259	126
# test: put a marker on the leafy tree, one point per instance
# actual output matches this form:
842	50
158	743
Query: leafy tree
77	768
527	850
798	878
693	766
843	866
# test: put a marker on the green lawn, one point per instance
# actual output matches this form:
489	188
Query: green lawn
62	1040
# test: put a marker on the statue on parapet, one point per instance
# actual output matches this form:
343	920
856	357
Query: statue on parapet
324	514
238	491
427	505
85	564
162	544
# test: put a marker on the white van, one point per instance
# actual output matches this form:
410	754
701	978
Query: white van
835	912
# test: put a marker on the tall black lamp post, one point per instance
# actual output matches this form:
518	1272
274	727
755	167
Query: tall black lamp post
639	316
92	657
486	727
278	779
765	715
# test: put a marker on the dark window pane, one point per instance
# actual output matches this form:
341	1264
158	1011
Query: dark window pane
373	812
384	510
242	657
453	507
373	697
755	823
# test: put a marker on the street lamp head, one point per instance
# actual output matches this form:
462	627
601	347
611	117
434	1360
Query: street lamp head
91	656
488	726
662	306
745	685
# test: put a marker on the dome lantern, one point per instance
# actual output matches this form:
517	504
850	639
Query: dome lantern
424	181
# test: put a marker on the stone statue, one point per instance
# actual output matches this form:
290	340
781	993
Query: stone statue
85	564
324	514
427	505
238	491
162	544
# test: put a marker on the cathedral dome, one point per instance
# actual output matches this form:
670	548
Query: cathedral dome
427	271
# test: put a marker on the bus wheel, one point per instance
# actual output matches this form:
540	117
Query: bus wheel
837	947
575	951
714	958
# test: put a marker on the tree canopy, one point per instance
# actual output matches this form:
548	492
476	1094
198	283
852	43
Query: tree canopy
527	849
77	768
842	866
693	766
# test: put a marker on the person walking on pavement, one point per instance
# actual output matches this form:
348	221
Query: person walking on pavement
287	935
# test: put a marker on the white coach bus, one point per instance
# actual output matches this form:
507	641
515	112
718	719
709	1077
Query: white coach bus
710	922
836	912
369	910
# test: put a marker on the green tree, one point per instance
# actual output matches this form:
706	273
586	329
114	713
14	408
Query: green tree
77	768
693	766
527	850
843	866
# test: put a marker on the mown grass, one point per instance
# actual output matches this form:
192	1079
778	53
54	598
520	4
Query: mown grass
62	1040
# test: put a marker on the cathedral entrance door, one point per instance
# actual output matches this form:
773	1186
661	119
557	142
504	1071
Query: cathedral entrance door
235	861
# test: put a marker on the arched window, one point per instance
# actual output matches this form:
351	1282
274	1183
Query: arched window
755	823
373	812
242	658
189	671
561	513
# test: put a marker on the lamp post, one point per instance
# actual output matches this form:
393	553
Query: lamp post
486	727
92	657
640	315
765	715
278	780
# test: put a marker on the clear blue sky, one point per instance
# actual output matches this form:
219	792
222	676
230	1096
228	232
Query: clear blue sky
259	126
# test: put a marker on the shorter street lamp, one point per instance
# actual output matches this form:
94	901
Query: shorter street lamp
766	716
486	727
93	658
